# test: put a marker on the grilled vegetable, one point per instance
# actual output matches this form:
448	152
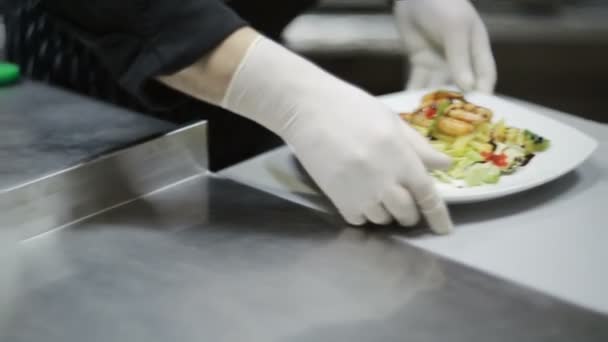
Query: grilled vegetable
534	142
482	150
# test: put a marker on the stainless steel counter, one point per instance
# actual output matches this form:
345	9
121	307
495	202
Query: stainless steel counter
210	260
45	130
51	147
144	244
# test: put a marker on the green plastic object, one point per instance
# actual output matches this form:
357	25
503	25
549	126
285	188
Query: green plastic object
9	73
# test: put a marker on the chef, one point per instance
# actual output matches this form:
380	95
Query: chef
221	61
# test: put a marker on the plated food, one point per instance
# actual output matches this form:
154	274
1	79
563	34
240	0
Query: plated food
483	150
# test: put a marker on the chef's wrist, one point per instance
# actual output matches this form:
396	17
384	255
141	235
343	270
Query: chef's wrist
208	78
275	87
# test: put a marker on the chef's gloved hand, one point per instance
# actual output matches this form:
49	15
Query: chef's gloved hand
445	41
367	161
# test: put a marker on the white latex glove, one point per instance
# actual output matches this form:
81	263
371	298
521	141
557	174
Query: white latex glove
366	160
445	41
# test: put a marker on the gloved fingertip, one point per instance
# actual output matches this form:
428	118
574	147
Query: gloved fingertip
436	160
465	81
441	224
439	219
485	86
408	221
354	220
441	162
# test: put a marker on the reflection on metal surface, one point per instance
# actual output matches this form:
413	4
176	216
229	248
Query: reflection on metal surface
10	273
44	130
210	260
83	190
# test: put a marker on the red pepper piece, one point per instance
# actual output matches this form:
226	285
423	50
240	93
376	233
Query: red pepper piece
500	160
431	112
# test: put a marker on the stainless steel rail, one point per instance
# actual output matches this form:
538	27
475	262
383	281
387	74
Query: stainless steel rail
83	190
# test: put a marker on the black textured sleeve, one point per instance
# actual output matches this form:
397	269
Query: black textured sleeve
137	40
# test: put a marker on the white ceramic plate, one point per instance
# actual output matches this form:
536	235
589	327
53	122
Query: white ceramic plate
569	147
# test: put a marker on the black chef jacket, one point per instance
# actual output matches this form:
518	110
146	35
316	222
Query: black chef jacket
114	49
139	39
